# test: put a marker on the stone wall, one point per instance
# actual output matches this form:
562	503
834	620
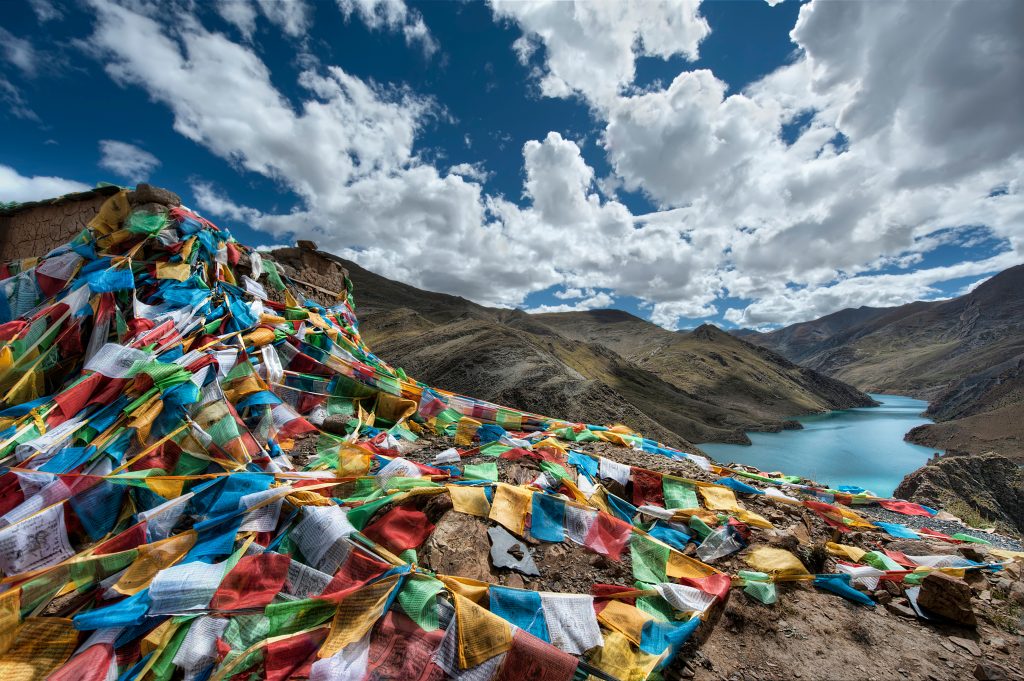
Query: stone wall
34	229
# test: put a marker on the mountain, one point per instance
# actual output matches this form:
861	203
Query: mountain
598	366
965	355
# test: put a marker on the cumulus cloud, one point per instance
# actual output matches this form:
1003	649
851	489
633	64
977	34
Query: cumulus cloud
876	178
127	160
21	189
595	301
472	171
591	46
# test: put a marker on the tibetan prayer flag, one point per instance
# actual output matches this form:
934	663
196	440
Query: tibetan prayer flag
774	561
400	529
521	607
471	500
719	499
547	518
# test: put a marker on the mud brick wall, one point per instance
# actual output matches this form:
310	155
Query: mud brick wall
35	229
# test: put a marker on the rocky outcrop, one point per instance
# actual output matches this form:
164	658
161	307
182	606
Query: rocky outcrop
990	485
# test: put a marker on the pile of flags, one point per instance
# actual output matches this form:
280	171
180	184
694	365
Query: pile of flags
203	478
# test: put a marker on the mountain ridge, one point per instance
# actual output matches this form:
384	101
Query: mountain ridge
675	386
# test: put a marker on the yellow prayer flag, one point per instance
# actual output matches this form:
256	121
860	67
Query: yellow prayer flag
167	488
750	518
465	431
719	498
112	213
10	616
845	550
142	420
352	461
356	615
625	619
1006	554
40	645
471	500
482	634
153	558
510	506
179	271
623	660
681	565
472	589
773	561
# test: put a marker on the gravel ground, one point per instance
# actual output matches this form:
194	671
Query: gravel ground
945	526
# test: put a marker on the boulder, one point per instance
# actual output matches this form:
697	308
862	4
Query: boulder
459	546
947	596
147	193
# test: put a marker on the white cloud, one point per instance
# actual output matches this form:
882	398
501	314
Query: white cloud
127	160
591	46
10	95
597	301
19	52
291	16
472	171
799	227
45	10
21	189
241	14
391	15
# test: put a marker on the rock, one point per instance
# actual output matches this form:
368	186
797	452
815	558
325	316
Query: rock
306	245
988	671
892	587
1017	593
999	644
901	609
459	546
882	596
947	645
967	644
947	596
147	193
975	553
985	595
336	423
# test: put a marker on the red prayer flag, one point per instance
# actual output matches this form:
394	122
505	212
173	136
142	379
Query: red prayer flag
92	664
608	535
399	649
253	582
531	659
905	507
647	488
357	570
292	657
400	528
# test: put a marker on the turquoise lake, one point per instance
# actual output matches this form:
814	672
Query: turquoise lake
863	447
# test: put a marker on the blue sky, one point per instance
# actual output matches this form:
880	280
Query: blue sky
733	162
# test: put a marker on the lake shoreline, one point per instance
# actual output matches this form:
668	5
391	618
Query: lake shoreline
863	446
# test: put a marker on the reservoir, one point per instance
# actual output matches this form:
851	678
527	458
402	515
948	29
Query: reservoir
862	447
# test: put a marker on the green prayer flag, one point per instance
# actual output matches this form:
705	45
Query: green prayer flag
679	494
481	471
650	559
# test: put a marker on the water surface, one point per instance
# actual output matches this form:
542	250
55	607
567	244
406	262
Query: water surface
863	446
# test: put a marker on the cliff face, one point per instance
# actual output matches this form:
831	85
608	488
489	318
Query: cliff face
989	485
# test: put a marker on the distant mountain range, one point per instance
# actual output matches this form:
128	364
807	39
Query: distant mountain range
965	355
598	367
